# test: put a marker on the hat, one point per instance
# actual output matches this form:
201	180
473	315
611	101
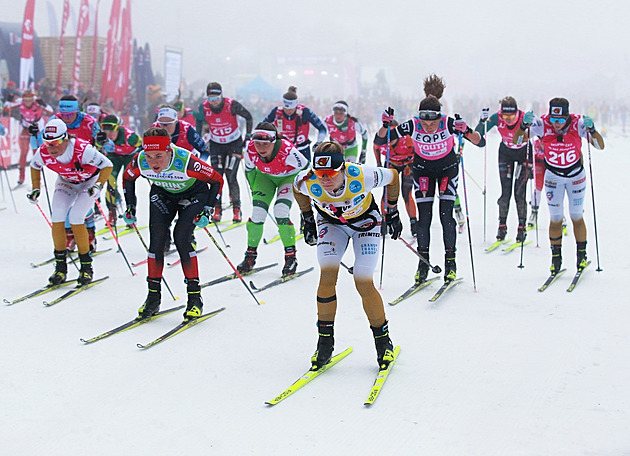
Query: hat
68	106
93	109
559	107
328	160
55	129
214	89
508	105
28	93
167	111
110	122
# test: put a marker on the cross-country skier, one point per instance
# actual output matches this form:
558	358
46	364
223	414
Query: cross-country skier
343	128
341	193
561	134
271	163
181	185
435	167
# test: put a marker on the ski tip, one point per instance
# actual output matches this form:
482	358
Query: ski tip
140	346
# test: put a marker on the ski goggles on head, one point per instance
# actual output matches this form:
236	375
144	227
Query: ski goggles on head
557	120
264	136
54	142
109	126
68	106
428	114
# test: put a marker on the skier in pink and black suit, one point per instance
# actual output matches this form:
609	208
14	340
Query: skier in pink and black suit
435	166
226	143
561	134
32	110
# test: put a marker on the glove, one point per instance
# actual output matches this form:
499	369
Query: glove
310	228
387	117
95	190
485	114
588	124
130	215
40	102
362	157
33	130
248	136
101	137
460	125
33	196
203	219
394	225
528	120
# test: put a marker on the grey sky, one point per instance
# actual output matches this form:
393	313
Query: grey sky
528	49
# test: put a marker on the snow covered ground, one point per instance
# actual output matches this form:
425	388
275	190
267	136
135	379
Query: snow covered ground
505	370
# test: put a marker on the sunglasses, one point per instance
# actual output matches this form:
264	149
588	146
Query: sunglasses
54	142
508	116
329	173
427	114
165	124
557	120
109	126
214	98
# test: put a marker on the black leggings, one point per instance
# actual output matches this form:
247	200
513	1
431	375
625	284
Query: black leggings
513	170
163	208
225	159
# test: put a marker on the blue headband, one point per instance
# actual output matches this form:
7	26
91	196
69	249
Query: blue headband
68	106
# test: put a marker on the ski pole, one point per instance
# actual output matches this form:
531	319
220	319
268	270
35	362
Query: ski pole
461	160
43	215
6	176
146	247
216	225
590	168
384	225
46	188
238	274
348	268
111	230
436	269
485	179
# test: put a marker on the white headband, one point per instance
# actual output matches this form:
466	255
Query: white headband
167	112
289	104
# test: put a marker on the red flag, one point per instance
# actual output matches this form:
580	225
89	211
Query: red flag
84	22
26	60
108	84
64	23
94	47
125	58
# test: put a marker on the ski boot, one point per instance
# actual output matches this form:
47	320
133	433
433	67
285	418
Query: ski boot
216	215
556	259
325	344
413	221
249	261
384	346
450	268
194	306
92	239
86	274
290	261
502	231
236	211
151	305
61	269
581	255
533	217
423	268
521	233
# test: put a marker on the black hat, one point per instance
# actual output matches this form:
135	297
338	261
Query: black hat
328	160
508	104
559	107
214	89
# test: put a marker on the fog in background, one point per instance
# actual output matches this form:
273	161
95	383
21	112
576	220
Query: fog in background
484	50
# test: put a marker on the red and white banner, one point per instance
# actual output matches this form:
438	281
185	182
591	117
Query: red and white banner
27	79
84	22
108	83
94	47
64	24
124	58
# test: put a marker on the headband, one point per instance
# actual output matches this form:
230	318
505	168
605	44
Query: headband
167	112
156	144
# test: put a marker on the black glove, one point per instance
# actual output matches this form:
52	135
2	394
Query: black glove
394	225
33	129
40	102
101	137
310	228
